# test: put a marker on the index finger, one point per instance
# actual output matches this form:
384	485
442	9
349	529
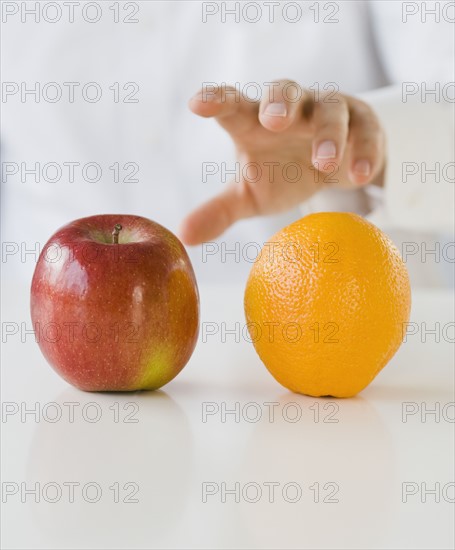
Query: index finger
235	112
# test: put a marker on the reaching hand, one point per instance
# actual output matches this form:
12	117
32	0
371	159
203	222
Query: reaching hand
291	145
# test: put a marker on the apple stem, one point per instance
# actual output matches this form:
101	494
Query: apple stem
115	232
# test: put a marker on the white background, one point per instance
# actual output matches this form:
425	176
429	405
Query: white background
171	452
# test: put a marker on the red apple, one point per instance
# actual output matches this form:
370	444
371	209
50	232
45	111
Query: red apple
114	303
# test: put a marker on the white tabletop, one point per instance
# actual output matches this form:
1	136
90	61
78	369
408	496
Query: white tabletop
362	471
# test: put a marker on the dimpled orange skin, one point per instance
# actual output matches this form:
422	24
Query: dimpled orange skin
327	303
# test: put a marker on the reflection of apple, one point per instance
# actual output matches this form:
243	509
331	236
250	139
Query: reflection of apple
115	304
104	453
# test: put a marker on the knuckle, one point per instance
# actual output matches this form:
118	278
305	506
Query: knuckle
331	98
361	108
367	144
285	89
286	82
366	121
333	113
336	126
363	114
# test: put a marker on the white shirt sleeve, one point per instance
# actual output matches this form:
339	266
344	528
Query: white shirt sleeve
417	112
419	180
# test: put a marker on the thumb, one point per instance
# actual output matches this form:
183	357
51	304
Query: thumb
212	218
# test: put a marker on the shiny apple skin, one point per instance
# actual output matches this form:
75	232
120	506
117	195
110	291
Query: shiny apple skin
115	317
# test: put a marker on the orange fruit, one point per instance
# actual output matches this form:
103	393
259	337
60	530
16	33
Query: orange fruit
327	303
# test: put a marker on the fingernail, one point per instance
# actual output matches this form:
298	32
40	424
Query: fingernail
362	168
326	150
276	109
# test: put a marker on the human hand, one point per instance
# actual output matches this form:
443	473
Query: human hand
295	144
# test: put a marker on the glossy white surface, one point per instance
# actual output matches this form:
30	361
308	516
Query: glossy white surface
171	452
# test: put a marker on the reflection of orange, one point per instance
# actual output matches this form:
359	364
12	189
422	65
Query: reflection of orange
345	448
326	303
